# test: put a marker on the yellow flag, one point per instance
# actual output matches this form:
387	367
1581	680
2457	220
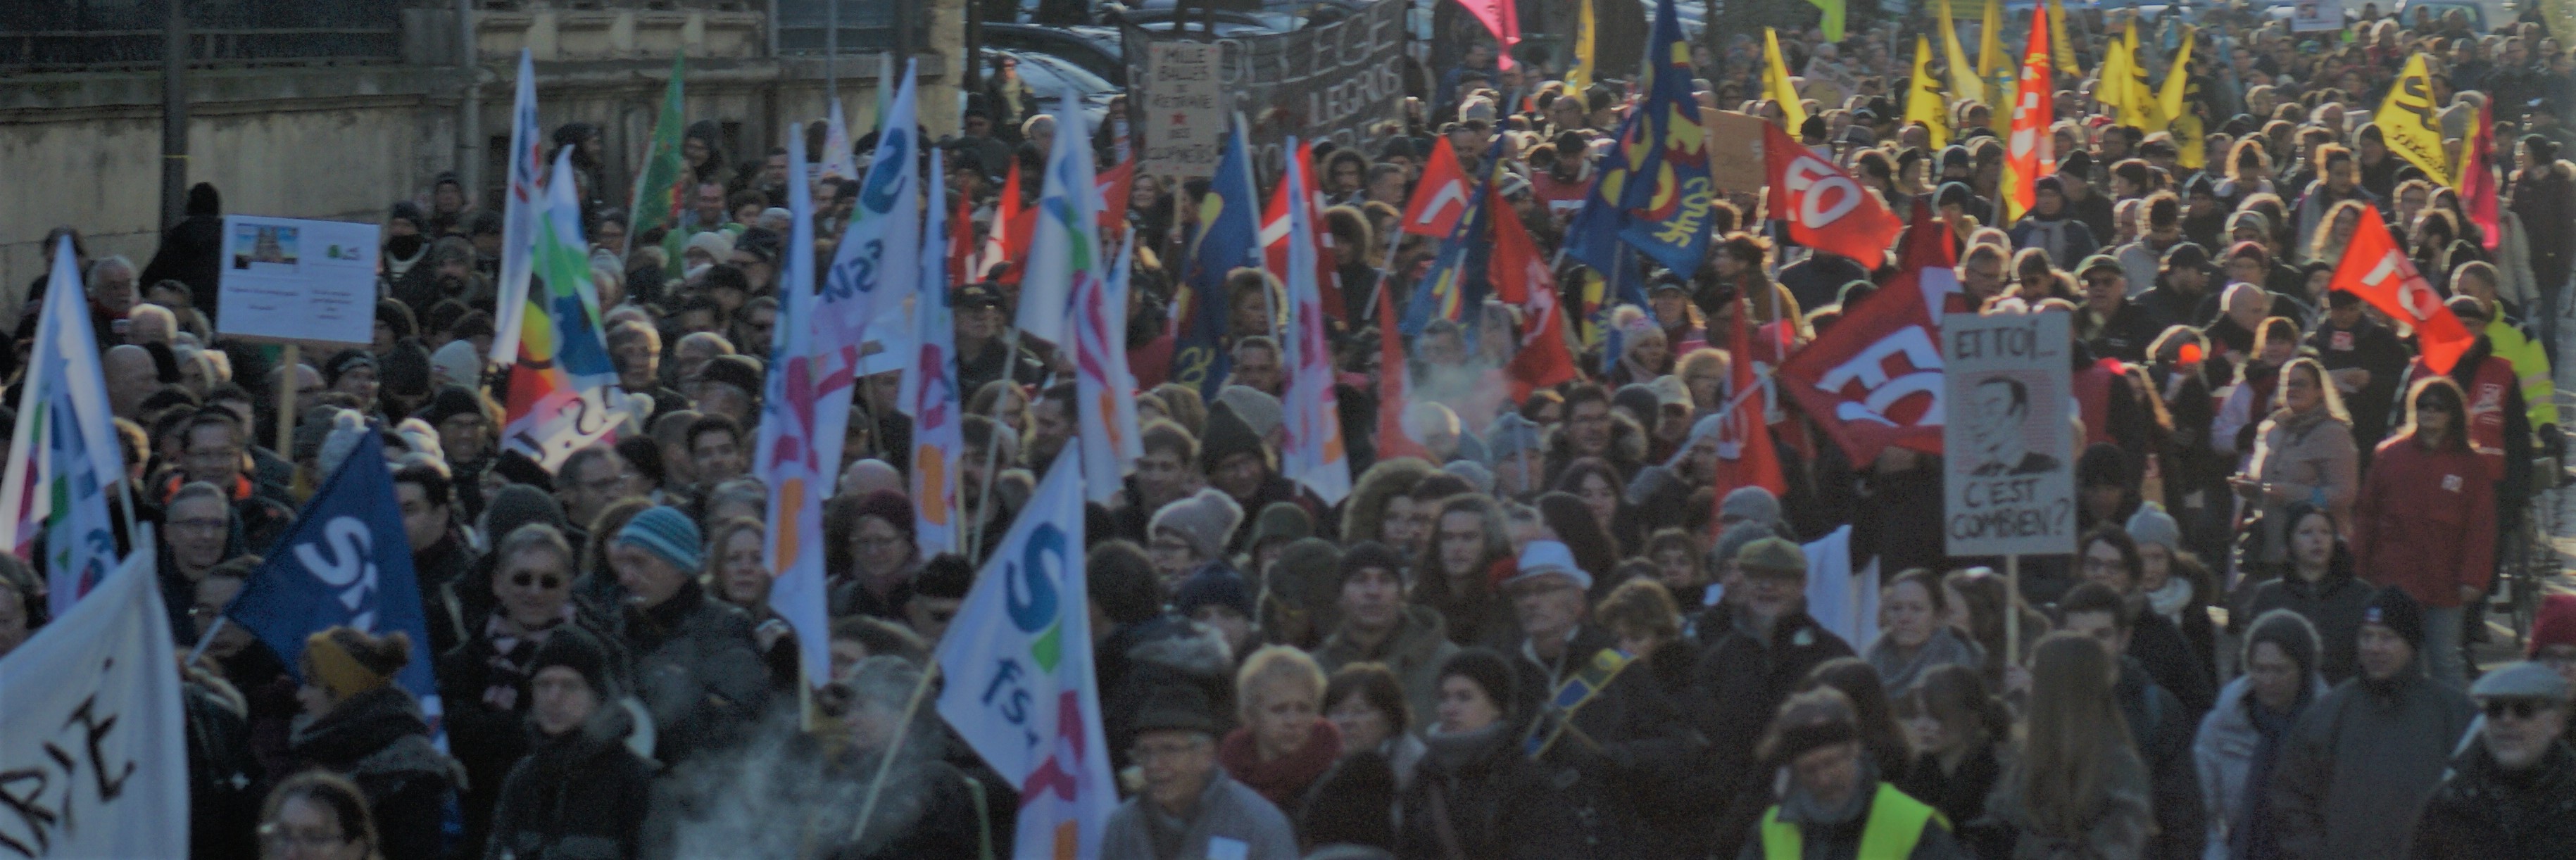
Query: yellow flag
1964	81
1923	101
2407	121
2058	42
1775	82
2189	139
1992	65
2140	97
2111	80
2169	99
1833	21
1581	75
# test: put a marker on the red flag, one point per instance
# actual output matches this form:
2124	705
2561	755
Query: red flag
1274	234
1824	207
1000	243
1441	197
2478	180
961	245
1754	461
2026	154
1114	185
1501	18
1391	439
1521	276
1874	378
2376	270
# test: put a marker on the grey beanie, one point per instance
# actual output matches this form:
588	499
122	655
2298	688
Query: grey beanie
1257	408
2289	631
2151	525
1750	504
1732	540
1206	519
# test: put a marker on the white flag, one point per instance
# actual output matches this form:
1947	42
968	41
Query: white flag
93	748
789	459
1313	453
836	147
64	447
1020	687
520	211
929	391
1065	244
1104	392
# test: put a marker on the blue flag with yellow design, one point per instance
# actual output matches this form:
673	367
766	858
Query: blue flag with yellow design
1229	238
1654	190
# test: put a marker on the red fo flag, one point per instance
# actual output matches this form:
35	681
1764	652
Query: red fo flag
1441	197
2374	269
1826	210
1520	276
1391	439
1745	454
2478	179
1874	379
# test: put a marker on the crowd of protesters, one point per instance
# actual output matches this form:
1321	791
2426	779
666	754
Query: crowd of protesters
1545	631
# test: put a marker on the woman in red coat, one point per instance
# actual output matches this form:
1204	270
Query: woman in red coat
2425	521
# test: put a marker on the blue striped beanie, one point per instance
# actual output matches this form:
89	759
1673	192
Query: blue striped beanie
666	532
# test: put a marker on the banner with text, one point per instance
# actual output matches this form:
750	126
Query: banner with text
93	750
1342	82
2011	483
1181	109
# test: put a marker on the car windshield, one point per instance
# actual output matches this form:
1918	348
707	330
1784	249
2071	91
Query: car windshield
1049	76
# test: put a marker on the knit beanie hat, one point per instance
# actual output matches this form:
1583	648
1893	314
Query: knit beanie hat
1281	521
2554	623
574	648
342	663
1227	435
1487	670
1307	578
449	402
344	361
2289	631
663	531
519	505
2151	525
1257	408
1750	504
2393	609
1214	585
1206	519
1367	554
458	363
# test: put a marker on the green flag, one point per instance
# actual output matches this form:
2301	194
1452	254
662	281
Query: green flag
661	189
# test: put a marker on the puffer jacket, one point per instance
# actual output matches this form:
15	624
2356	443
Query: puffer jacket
2359	764
696	671
2224	754
578	796
379	740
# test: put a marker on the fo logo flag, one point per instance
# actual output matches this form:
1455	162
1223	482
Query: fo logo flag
345	564
93	750
1020	687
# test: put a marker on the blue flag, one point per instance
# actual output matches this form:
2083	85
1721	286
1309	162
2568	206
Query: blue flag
1229	238
1654	190
346	563
1459	280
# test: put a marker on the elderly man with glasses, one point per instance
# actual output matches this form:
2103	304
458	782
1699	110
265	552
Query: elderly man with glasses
2509	787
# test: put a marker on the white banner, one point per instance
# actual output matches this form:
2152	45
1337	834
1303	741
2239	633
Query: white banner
93	754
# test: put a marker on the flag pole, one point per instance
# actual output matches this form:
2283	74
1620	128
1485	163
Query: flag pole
286	399
885	760
992	453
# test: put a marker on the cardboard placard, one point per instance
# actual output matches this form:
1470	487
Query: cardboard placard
1735	160
2010	451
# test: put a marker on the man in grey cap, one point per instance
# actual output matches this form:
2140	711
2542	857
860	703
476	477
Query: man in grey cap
2509	791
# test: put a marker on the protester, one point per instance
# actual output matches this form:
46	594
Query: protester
363	727
2358	762
1187	801
2500	797
2076	788
320	815
579	789
2240	740
1959	733
1837	804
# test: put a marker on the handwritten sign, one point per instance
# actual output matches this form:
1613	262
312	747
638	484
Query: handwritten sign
1342	81
2010	451
1184	110
291	279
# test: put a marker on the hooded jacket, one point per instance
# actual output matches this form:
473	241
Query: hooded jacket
379	740
2224	754
581	795
2359	764
2426	521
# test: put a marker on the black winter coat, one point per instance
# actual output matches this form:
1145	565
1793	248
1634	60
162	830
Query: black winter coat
2484	812
191	253
2161	729
1624	760
379	740
2333	605
696	670
1736	689
578	796
1477	789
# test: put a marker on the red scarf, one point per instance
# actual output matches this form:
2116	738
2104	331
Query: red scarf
1285	778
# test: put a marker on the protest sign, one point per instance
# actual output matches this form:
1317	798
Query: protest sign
1183	109
2310	16
292	279
2011	483
1342	82
1735	158
93	749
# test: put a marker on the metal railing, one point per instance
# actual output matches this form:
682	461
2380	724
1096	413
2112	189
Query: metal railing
866	25
68	35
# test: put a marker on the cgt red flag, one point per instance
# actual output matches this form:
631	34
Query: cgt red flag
2374	269
1441	197
1824	207
1520	276
1746	456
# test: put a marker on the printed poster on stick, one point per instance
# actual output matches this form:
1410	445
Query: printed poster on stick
293	279
2010	487
1184	110
1342	82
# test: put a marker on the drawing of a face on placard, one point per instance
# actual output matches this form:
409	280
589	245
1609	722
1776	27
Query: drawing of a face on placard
1997	418
268	247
